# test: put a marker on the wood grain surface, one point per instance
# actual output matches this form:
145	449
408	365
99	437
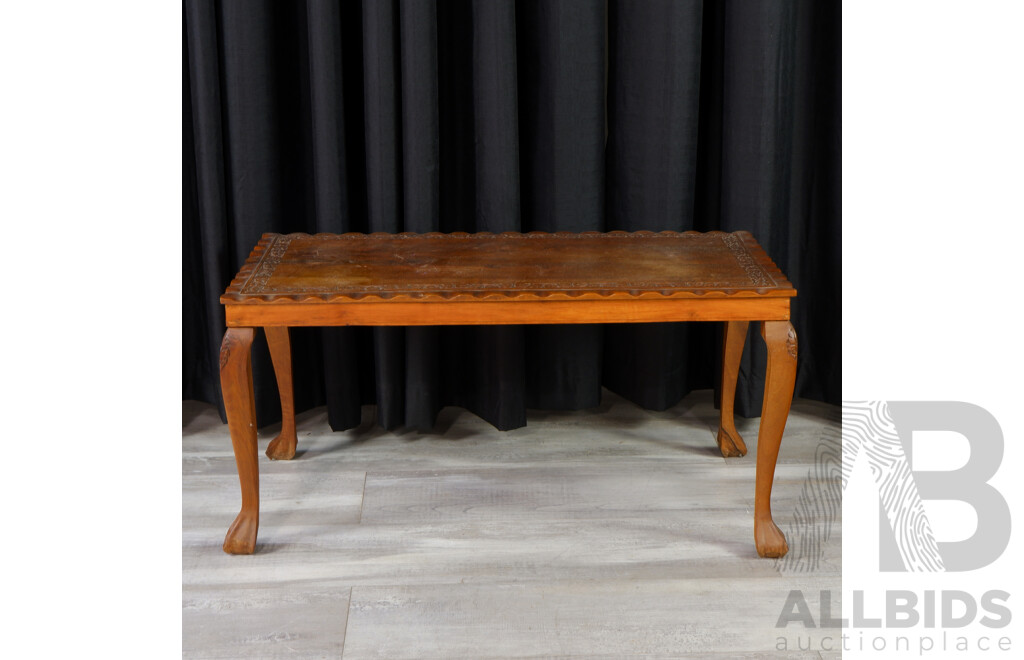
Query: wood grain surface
459	266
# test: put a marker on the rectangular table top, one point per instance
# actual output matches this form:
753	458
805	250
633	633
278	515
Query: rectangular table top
350	268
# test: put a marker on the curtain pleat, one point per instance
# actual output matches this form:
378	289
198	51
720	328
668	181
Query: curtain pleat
653	119
478	115
421	192
562	135
205	257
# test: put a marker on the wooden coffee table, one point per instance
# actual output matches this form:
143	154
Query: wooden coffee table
497	279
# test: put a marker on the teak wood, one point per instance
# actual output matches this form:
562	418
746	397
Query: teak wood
510	278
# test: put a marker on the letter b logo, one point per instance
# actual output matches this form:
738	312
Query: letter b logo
883	431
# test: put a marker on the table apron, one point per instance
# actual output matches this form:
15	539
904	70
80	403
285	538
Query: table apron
506	312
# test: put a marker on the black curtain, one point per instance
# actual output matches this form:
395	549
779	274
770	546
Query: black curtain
416	115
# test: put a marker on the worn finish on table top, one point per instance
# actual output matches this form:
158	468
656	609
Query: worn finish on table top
438	267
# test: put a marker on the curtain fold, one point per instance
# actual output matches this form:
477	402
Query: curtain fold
334	187
475	115
653	120
562	110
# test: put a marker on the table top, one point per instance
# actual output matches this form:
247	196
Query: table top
348	268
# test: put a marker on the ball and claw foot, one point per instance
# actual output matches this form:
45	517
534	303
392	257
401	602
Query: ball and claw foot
769	539
731	444
282	448
241	536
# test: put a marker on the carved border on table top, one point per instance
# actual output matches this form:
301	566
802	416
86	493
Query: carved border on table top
405	235
258	280
251	282
757	275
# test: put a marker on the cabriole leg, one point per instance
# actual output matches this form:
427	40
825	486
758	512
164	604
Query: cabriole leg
735	335
780	338
236	388
283	446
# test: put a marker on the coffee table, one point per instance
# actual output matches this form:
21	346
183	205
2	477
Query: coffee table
410	279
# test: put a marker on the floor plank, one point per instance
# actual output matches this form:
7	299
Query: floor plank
594	488
609	617
286	620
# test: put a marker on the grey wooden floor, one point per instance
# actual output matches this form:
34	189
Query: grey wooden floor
611	533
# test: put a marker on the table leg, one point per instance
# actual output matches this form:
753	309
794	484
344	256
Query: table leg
236	388
734	336
283	446
780	338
